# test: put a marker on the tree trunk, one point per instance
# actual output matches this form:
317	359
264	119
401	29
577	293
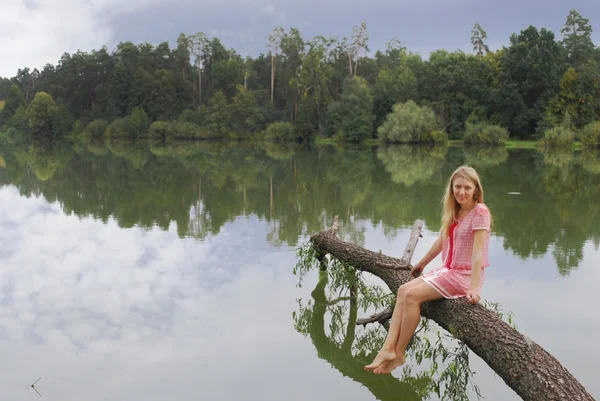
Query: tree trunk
524	366
199	84
350	63
296	101
272	75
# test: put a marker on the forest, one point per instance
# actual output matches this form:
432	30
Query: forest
540	87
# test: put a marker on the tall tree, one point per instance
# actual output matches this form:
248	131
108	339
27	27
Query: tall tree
478	37
314	87
392	86
530	76
356	106
274	44
181	54
577	38
293	53
356	45
198	44
456	83
15	100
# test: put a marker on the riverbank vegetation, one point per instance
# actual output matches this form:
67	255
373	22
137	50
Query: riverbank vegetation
318	89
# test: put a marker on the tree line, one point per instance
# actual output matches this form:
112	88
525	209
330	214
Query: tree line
323	87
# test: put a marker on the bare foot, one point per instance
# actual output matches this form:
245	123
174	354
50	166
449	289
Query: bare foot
388	366
382	357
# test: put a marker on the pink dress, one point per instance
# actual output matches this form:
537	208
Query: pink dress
453	279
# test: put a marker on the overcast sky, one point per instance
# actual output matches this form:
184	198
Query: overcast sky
36	32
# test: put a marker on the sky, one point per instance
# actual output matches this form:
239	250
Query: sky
36	32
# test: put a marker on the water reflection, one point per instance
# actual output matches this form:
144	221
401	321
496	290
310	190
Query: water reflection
485	157
331	326
542	201
409	165
337	348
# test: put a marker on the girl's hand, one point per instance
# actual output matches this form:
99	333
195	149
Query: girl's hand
416	270
473	296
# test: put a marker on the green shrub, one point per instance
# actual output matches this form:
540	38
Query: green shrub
159	129
132	126
139	122
435	136
18	120
177	130
485	134
559	136
590	134
410	123
97	128
197	116
280	131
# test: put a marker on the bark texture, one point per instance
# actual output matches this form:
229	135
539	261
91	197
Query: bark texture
526	367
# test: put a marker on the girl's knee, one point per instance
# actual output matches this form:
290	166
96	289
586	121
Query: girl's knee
411	296
402	291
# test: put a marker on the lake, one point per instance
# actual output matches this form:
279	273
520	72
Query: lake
149	271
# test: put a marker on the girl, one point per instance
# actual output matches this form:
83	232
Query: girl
463	241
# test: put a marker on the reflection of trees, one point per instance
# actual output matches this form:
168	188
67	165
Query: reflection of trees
97	146
485	157
280	150
176	149
557	157
337	349
43	162
448	375
133	151
43	158
589	159
201	186
554	211
411	164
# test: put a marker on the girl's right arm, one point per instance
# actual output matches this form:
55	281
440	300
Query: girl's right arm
435	250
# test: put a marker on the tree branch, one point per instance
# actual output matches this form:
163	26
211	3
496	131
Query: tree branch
380	317
524	366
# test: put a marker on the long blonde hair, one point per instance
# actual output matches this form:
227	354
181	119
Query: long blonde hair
450	207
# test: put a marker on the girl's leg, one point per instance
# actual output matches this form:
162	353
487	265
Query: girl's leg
387	352
411	315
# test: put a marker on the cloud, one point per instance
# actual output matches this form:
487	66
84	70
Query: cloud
34	34
38	32
88	305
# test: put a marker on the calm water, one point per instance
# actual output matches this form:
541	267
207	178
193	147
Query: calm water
152	272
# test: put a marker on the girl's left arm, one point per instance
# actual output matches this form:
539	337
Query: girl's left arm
476	262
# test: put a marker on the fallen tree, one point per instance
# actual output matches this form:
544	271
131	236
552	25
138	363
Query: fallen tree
532	372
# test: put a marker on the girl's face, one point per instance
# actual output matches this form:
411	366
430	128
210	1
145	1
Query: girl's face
463	191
